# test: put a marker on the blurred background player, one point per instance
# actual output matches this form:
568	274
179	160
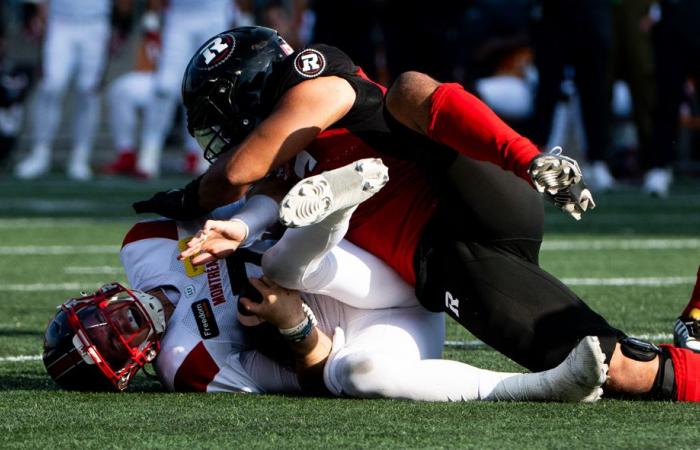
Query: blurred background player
15	82
677	51
186	24
129	94
578	34
75	46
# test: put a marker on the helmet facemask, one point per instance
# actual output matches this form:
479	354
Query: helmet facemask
216	123
116	330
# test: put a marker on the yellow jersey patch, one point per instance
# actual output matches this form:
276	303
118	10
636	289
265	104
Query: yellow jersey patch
191	270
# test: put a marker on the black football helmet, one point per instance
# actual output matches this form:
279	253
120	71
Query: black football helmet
98	342
224	87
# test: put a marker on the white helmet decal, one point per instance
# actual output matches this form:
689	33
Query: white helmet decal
216	51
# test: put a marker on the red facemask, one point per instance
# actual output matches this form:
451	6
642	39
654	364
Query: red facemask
116	331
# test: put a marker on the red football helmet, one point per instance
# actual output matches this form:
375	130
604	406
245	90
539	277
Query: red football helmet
99	341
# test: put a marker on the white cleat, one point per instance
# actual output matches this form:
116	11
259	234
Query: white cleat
313	199
79	172
33	166
580	377
657	182
598	176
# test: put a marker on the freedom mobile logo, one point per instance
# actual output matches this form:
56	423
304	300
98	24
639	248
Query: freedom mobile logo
204	316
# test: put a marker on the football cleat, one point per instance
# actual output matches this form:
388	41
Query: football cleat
125	164
35	165
686	333
313	199
560	180
580	377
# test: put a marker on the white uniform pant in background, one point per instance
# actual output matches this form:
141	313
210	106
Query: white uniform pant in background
72	50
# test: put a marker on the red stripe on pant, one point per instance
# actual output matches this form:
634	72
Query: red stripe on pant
463	122
197	371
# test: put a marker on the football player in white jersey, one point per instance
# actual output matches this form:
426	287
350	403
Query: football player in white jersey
186	24
387	352
76	45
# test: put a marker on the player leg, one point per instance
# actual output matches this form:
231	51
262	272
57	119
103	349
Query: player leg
92	42
313	258
393	354
127	95
46	111
160	113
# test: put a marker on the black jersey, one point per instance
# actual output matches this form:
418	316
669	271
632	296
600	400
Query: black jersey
367	114
390	223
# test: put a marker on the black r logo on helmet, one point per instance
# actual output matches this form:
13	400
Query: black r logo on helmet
310	63
216	51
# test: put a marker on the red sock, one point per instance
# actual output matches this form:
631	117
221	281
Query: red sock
694	303
461	121
686	369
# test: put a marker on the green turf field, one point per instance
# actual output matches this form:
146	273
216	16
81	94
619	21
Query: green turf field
633	259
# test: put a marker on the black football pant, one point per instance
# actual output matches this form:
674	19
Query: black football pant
478	262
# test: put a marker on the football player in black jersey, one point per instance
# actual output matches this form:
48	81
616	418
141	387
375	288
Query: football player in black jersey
464	232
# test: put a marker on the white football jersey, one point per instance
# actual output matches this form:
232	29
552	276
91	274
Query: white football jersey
204	347
80	9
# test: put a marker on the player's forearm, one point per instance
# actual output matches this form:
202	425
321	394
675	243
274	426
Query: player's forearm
259	213
215	189
310	357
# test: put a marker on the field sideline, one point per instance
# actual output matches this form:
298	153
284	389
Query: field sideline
633	259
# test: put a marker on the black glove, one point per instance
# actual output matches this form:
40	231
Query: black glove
178	204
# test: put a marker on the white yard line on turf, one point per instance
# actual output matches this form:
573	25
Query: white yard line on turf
20	358
474	344
649	281
59	250
45	287
620	244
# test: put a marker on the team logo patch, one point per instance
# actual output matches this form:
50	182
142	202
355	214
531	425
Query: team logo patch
310	63
204	316
216	51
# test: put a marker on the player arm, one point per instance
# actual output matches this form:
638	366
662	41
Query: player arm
311	346
301	114
219	238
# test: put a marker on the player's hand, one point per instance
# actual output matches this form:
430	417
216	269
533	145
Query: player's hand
560	180
281	307
178	204
217	240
